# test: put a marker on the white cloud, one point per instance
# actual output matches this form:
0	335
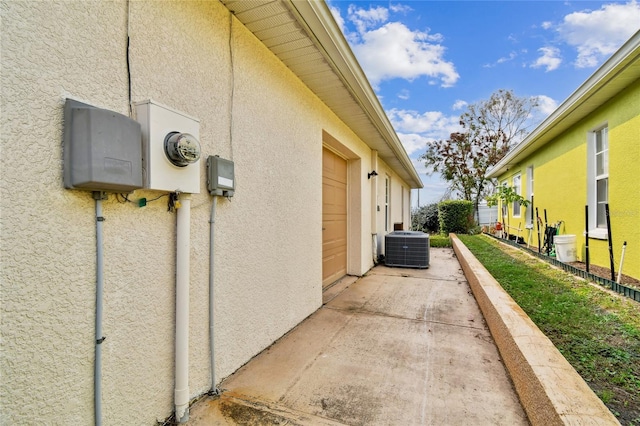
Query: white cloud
339	19
549	59
389	50
364	19
546	25
434	186
394	51
413	143
459	104
432	182
404	94
546	105
400	8
511	57
421	128
420	166
599	33
502	60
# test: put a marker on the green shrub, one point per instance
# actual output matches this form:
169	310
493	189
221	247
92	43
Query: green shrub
455	216
425	219
432	223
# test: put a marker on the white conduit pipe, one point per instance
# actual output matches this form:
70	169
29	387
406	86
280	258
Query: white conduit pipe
624	247
183	231
374	248
97	372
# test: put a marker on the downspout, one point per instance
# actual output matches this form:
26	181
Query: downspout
183	231
97	373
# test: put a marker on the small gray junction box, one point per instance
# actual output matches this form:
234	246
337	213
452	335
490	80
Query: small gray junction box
220	176
102	149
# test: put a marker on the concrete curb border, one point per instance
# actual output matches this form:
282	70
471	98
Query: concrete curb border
550	390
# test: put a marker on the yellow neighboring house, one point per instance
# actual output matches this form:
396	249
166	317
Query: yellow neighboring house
586	153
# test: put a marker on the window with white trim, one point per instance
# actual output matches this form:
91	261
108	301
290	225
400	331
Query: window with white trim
530	215
598	181
517	187
504	208
602	175
386	203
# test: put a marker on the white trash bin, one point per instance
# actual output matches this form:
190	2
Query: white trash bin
565	247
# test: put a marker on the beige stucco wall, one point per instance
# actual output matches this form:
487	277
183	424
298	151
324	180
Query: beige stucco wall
268	238
366	197
399	210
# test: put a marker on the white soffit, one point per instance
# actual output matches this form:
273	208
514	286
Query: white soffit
306	38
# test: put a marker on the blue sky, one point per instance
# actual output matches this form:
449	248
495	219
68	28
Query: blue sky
427	60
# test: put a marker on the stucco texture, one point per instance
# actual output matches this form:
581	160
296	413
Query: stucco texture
252	110
560	181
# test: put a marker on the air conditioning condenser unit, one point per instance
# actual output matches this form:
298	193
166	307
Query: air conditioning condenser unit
407	249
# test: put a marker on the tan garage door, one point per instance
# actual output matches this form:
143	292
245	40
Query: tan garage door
334	217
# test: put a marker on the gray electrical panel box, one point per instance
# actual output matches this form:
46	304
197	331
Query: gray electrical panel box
102	149
220	177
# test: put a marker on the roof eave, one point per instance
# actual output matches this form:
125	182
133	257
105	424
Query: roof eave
317	18
574	106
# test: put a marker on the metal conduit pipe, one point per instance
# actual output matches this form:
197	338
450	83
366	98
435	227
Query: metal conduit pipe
97	372
183	231
212	221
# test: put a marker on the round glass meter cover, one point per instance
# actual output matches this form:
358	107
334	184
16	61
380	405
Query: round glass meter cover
182	149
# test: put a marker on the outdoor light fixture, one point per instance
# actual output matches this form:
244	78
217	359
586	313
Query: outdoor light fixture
373	173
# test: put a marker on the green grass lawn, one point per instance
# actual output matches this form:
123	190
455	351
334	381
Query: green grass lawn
597	332
436	240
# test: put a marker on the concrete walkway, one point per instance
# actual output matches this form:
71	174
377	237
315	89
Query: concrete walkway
396	347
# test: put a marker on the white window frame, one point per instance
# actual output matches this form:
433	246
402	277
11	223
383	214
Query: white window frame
516	209
529	210
504	207
387	195
596	209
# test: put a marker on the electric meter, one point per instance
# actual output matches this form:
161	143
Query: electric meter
171	148
182	149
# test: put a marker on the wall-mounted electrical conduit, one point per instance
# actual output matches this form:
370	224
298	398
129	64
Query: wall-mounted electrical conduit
183	247
91	136
98	196
212	221
220	182
170	141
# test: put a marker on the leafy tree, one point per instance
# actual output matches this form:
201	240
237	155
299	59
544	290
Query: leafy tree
425	218
490	129
506	195
463	161
503	114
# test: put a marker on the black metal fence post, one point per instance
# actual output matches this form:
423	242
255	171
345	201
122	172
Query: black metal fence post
586	245
606	210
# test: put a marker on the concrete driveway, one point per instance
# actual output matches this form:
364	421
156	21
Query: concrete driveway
395	347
